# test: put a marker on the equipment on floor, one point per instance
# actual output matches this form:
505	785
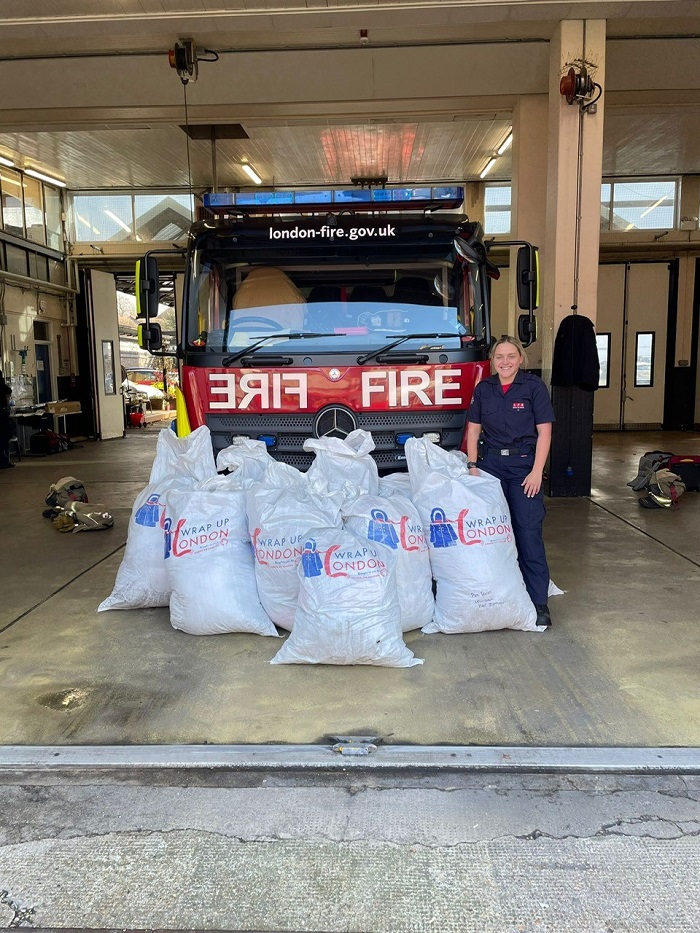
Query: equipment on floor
665	489
65	490
79	516
664	477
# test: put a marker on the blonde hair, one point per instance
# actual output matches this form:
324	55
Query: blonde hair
506	338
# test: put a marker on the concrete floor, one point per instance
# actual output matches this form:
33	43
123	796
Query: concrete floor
619	666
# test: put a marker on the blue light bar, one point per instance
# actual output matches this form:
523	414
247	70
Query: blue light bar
403	198
268	439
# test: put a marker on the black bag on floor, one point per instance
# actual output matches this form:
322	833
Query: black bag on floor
43	443
688	468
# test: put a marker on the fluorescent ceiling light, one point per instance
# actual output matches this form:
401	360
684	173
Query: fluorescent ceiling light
506	144
42	177
8	162
487	168
251	173
117	220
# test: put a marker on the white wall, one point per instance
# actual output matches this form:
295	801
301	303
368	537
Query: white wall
103	306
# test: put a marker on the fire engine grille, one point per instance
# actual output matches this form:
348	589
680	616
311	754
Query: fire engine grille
290	432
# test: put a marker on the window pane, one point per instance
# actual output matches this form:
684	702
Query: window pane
38	267
54	233
33	209
11	183
603	341
102	217
605	209
643	205
16	259
57	272
497	208
644	360
162	216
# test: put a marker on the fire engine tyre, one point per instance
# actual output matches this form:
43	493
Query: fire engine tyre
472	548
142	580
348	610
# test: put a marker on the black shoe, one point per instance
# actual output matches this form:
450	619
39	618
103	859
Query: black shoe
543	616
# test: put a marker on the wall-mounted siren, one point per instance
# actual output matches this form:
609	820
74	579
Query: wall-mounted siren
185	56
578	85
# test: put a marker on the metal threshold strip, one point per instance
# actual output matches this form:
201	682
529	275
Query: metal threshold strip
338	757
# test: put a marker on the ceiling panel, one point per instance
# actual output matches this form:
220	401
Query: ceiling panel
652	143
282	155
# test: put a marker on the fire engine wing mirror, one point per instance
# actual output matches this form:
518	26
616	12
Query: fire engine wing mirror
527	329
528	287
528	278
147	287
149	337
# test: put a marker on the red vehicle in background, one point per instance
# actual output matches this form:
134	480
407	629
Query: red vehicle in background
310	315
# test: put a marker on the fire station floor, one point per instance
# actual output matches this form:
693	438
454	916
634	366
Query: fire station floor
618	668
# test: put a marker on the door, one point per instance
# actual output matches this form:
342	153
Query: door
631	328
105	359
42	352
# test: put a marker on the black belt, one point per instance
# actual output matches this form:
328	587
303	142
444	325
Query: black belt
511	451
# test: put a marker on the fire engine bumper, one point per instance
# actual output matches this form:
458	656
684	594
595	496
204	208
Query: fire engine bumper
285	433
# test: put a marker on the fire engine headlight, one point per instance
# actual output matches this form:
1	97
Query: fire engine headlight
432	436
269	439
402	438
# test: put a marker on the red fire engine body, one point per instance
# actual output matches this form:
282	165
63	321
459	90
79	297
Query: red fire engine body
311	320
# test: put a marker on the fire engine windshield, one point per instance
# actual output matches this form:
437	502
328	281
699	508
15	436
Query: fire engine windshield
355	306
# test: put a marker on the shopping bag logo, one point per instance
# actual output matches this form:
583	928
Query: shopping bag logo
381	530
149	513
311	562
442	534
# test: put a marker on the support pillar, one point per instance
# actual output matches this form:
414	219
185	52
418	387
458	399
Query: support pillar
529	196
572	242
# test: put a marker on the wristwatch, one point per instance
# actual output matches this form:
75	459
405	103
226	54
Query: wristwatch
471	465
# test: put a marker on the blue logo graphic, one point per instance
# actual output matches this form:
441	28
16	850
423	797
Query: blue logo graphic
311	560
381	530
149	513
168	536
442	534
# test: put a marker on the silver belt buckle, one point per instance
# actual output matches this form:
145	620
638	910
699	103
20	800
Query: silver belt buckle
505	451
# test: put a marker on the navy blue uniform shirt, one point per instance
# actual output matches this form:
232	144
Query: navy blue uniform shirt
509	419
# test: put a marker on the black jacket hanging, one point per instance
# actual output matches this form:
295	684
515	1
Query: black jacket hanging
575	360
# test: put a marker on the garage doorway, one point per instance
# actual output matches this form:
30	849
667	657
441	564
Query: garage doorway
632	325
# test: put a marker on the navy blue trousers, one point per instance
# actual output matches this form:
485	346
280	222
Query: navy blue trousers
527	515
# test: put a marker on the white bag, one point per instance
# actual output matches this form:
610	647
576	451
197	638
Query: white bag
283	510
142	580
210	563
472	548
246	458
395	483
394	523
348	606
339	462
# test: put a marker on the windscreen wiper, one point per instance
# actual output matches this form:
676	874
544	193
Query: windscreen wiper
390	346
245	351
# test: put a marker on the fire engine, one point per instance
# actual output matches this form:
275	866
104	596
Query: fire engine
310	314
